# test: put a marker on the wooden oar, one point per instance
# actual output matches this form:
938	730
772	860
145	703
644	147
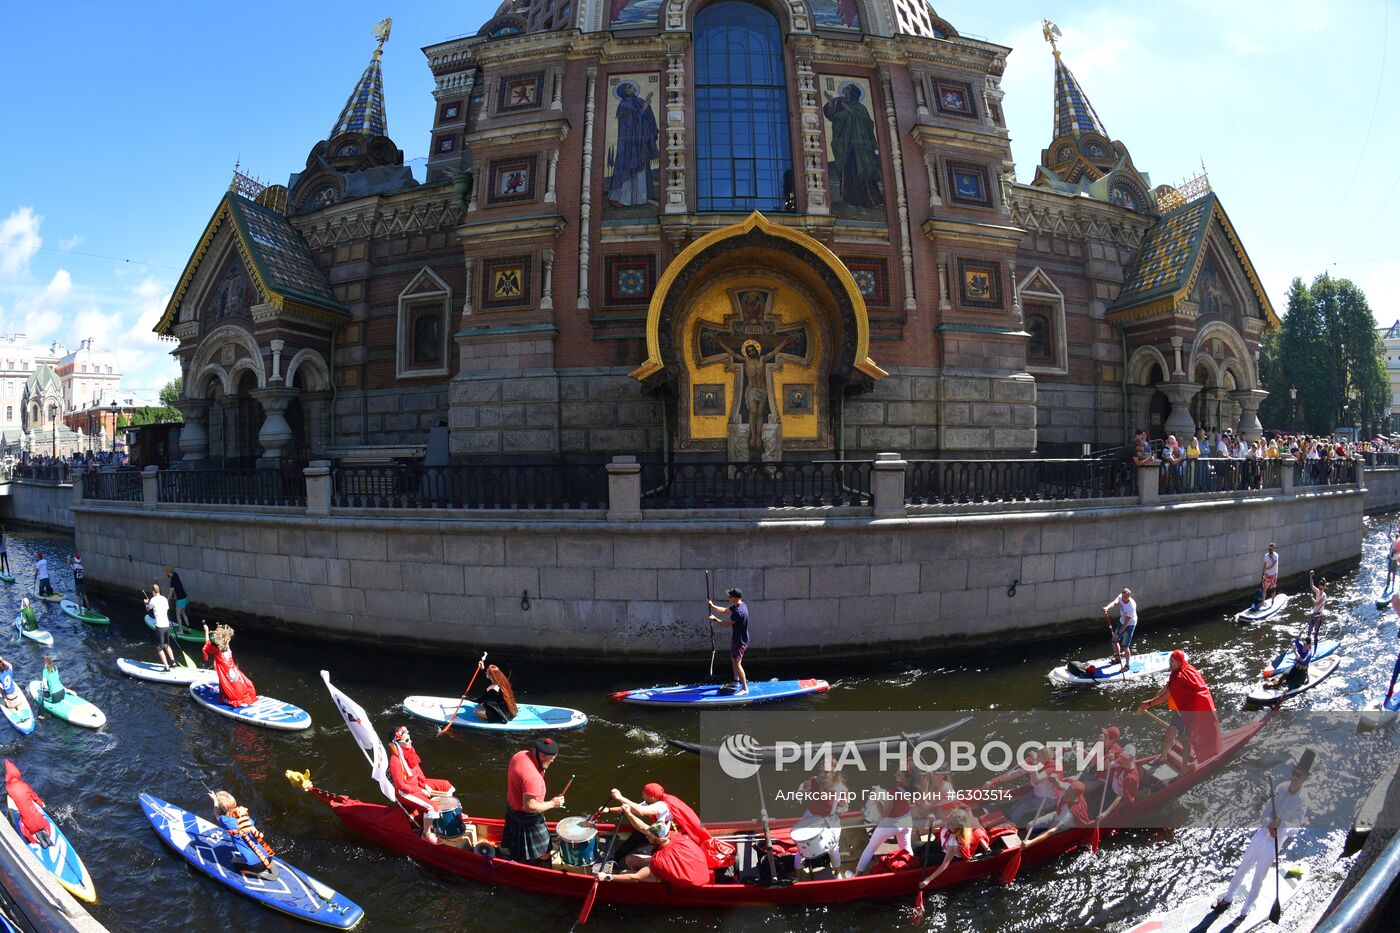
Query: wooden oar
1156	717
918	918
465	693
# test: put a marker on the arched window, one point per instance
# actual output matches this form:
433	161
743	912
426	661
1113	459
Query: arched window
743	147
1038	346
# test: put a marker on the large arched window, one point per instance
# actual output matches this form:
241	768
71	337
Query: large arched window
743	151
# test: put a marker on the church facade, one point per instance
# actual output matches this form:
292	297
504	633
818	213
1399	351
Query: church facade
732	230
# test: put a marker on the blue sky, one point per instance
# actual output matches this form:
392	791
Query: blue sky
124	122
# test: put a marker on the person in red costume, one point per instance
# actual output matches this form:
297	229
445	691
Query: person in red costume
677	859
414	790
32	822
1192	713
237	690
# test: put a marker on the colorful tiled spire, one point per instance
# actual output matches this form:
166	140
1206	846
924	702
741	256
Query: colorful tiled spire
364	110
1073	112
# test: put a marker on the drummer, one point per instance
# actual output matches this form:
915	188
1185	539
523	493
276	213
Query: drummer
416	793
525	836
827	798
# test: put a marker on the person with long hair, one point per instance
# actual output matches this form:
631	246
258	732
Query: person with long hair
234	686
496	702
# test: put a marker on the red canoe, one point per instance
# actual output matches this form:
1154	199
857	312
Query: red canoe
387	825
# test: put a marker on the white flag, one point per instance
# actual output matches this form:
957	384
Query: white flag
363	731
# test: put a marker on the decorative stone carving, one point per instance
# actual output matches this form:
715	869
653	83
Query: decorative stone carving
905	251
585	212
813	152
675	126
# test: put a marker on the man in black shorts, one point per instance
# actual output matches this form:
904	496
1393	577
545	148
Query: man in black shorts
738	625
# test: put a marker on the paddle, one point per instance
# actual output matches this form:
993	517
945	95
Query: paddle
1277	910
708	624
918	918
607	856
463	701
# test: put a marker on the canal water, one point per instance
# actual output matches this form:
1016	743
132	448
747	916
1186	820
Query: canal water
158	741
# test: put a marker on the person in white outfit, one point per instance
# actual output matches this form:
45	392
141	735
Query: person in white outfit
1280	820
896	821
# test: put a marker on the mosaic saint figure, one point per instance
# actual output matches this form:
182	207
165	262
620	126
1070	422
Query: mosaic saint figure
637	148
853	146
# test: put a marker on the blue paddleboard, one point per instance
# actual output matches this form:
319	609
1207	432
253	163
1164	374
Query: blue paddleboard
59	859
529	717
1383	600
265	711
1106	670
716	695
209	848
1283	661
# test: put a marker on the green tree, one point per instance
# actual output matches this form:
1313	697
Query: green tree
1328	350
165	412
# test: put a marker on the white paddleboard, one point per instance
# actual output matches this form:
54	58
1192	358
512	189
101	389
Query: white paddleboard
1196	916
39	635
1275	604
1379	713
157	673
1107	670
529	717
1318	671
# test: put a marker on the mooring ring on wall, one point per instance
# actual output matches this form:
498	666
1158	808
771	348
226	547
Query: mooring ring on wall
1011	590
525	600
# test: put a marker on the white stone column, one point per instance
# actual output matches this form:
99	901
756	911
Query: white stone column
1249	401
194	434
549	195
624	489
897	158
150	487
1179	422
319	482
547	299
277	347
275	434
676	149
585	208
469	266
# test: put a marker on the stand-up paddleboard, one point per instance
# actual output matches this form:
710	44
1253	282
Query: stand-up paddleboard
39	635
1266	610
1368	814
1107	670
1197	915
72	708
179	632
6	578
1268	692
1379	713
210	849
264	711
59	859
1383	598
707	696
182	675
529	717
90	616
1282	662
54	598
22	716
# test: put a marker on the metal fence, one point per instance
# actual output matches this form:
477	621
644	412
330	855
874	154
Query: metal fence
1324	473
1220	474
234	487
955	481
42	473
1379	458
475	486
755	485
116	486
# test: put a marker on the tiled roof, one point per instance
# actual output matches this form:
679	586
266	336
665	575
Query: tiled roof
1074	115
364	110
1168	253
282	257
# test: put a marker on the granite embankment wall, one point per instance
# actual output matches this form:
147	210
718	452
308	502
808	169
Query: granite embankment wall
44	505
1382	489
818	583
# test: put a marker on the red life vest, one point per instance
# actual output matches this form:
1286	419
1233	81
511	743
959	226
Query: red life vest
31	820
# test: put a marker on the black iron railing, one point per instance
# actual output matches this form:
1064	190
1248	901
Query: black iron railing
954	481
1379	458
474	486
1336	472
234	487
755	485
42	473
1220	474
116	486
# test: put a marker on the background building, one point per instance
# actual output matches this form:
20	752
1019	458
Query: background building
736	230
1390	336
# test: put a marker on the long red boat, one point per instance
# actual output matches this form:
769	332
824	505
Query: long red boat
387	825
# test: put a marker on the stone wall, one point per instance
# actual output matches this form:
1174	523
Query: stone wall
821	583
42	504
1382	489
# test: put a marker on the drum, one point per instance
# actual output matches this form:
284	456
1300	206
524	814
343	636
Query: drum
448	824
578	841
815	839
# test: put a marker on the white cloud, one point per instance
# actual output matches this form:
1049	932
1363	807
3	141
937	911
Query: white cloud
72	242
19	240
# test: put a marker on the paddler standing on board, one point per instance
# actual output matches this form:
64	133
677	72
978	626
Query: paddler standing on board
415	791
525	837
1268	581
1192	716
1123	631
234	686
1319	595
1392	563
738	625
1279	821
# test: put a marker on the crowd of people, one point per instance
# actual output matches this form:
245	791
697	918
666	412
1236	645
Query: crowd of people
1209	461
